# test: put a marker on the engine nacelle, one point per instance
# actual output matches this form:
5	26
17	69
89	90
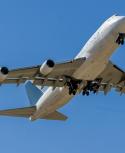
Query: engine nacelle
47	67
3	73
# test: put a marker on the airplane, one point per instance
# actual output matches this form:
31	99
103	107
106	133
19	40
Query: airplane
90	72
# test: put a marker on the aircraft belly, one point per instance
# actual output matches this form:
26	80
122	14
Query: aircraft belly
97	54
90	71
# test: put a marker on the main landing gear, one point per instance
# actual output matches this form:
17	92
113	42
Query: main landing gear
73	86
120	39
92	86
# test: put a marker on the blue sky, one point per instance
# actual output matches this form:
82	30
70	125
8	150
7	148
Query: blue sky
33	31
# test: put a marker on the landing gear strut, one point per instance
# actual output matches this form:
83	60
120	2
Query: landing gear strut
92	86
73	86
120	39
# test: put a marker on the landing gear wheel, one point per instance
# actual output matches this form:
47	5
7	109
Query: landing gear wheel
94	91
92	87
122	42
74	93
70	91
118	42
73	86
83	93
87	93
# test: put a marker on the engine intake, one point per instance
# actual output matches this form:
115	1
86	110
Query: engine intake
4	70
47	67
50	63
3	73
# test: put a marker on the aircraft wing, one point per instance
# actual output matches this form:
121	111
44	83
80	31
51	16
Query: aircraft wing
113	77
54	78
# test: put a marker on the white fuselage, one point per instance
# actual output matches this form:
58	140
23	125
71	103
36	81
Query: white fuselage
97	51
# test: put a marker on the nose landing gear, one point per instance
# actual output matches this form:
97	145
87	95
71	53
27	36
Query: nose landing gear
120	39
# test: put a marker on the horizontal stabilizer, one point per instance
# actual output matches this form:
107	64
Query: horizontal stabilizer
19	112
55	116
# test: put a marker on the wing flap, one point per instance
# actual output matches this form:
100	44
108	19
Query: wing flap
112	74
55	116
40	81
19	112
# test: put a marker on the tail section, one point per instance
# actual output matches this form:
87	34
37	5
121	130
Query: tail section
33	93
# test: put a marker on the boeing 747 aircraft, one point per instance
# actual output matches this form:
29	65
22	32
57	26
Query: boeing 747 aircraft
91	71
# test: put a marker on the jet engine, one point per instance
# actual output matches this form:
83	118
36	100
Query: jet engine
3	73
47	67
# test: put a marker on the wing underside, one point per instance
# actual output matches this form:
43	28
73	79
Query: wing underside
55	78
112	77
